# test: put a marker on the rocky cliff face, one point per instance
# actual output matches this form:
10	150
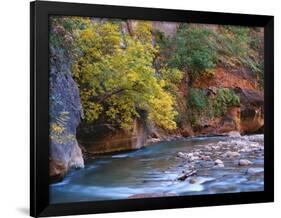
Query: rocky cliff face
65	113
249	117
104	138
252	111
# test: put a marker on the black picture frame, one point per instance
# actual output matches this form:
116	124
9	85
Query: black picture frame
39	108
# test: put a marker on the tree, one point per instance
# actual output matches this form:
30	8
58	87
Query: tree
116	77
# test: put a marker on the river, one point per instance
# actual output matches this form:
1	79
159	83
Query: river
156	169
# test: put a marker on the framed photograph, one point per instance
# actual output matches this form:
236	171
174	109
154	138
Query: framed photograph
142	109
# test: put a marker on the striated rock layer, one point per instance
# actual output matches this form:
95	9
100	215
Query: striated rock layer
65	113
103	138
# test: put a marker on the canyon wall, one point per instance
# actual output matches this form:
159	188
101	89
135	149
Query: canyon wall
65	115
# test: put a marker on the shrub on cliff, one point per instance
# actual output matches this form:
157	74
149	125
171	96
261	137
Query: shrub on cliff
224	99
200	106
193	51
203	106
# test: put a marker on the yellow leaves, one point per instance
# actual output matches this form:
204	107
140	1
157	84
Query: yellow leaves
161	110
92	110
143	31
162	83
58	134
116	82
56	128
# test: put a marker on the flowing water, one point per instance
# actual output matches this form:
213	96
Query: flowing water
155	169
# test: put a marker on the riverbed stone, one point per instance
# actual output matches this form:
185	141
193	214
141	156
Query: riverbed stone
193	180
196	153
219	165
205	158
218	161
231	154
194	158
182	155
244	162
255	171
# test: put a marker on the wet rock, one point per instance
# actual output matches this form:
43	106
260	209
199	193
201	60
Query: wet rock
218	161
153	140
196	153
189	155
208	153
219	165
255	138
244	162
194	158
187	174
215	147
205	158
245	150
182	155
231	154
255	171
234	134
193	180
206	164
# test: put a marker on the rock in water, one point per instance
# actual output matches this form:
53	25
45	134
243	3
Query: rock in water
219	163
244	162
193	180
234	134
65	113
187	174
205	158
182	155
255	171
231	154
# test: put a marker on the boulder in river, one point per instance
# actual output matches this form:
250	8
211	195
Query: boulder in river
244	162
255	171
234	134
187	174
193	180
219	163
231	154
205	157
182	155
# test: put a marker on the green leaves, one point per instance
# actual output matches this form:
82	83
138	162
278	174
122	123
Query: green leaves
193	52
225	98
202	105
